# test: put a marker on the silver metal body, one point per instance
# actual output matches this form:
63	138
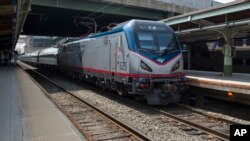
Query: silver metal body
48	56
30	57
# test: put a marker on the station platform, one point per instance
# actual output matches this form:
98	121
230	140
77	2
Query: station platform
27	114
238	85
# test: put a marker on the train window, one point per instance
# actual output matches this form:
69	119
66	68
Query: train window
146	41
163	41
166	42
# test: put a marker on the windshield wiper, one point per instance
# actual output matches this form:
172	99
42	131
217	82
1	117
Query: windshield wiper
172	51
144	50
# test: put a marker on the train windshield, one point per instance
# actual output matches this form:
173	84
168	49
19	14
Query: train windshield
158	43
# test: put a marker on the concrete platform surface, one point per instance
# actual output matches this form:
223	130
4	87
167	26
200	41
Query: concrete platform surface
27	114
239	83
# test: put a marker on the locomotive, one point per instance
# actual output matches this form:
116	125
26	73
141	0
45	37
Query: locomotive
137	57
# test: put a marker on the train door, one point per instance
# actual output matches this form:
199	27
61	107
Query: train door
112	56
121	56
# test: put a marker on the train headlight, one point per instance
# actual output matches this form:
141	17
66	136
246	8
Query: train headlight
145	67
176	66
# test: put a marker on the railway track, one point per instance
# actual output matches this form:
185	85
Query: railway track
197	123
188	119
92	123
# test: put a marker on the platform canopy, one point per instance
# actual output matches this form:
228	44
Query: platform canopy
226	21
202	24
75	18
12	17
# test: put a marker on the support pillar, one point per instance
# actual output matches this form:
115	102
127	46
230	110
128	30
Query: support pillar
228	59
228	67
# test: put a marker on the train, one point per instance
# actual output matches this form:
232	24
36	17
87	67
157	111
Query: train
137	57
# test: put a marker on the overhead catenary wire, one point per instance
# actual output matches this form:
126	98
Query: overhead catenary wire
111	11
118	8
99	10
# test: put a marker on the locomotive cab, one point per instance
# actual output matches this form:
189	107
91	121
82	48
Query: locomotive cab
156	62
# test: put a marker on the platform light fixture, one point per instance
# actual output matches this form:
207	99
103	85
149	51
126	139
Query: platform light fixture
230	94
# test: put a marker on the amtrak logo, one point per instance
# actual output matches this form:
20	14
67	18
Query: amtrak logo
160	60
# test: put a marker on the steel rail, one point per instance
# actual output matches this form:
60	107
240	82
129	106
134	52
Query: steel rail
205	114
217	134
